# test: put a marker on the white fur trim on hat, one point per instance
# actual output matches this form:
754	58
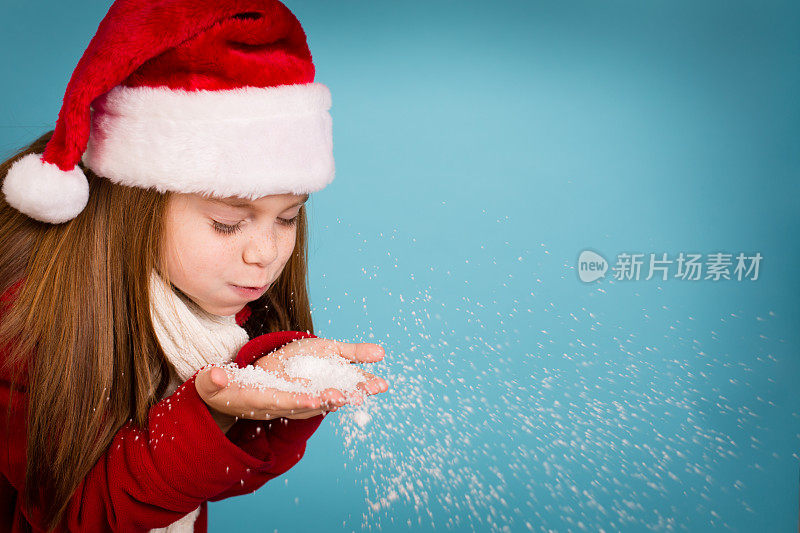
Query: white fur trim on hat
43	191
248	142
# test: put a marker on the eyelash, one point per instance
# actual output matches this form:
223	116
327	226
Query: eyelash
229	230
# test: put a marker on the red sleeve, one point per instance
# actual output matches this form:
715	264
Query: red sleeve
151	477
148	477
282	439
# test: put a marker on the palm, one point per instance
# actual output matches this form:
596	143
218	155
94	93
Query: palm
233	399
354	353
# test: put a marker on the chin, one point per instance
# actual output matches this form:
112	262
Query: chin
225	310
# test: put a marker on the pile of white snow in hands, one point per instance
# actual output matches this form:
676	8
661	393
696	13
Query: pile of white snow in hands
322	372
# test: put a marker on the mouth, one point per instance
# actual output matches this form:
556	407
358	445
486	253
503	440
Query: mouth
253	287
250	292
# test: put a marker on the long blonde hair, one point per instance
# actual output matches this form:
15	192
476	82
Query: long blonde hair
91	355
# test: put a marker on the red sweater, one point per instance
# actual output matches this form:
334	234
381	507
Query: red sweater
151	477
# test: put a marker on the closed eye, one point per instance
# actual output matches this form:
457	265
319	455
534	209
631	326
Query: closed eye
225	228
288	221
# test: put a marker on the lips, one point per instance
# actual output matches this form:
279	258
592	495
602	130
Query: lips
249	293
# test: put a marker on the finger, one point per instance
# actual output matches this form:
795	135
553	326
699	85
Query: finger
372	384
366	384
297	413
218	377
355	399
329	400
209	382
278	400
260	414
362	352
304	416
333	397
306	413
379	384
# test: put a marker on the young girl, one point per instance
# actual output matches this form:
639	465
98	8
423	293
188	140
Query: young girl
159	229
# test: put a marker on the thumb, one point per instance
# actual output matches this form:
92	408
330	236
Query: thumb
211	381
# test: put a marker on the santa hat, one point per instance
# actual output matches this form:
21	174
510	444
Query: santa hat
187	96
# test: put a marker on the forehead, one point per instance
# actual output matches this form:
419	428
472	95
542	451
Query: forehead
281	200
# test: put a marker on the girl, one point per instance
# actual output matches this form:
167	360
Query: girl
158	229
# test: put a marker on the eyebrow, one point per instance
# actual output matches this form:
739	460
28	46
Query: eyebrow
241	203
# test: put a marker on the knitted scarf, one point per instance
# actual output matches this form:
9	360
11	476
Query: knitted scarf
190	338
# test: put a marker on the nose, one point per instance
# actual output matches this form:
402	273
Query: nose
261	250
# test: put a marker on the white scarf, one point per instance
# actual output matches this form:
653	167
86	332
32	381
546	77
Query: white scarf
190	338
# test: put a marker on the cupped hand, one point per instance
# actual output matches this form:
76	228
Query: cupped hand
232	400
229	400
364	352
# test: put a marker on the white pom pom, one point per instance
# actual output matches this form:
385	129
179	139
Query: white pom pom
45	192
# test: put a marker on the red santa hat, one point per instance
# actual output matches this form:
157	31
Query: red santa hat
187	96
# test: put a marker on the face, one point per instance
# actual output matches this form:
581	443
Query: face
215	248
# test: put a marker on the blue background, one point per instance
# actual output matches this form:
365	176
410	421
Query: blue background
480	147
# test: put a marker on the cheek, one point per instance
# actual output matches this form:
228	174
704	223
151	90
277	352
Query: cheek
286	244
193	253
